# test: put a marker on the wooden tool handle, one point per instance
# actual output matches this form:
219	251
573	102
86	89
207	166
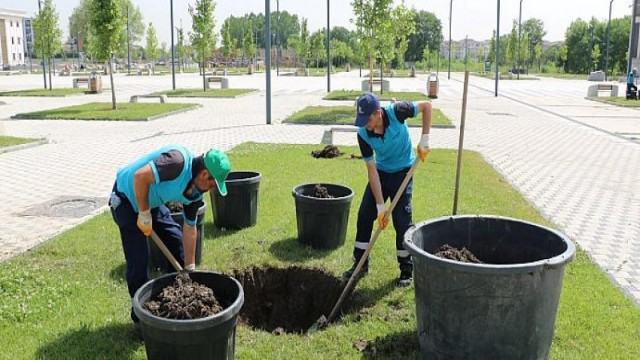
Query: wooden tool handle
166	251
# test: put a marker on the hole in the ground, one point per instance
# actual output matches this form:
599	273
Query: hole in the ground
286	300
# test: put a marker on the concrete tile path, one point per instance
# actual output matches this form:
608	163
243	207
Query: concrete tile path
576	161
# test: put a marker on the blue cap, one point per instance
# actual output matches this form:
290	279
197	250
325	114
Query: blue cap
367	103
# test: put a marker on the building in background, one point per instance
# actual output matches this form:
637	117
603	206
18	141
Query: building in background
28	39
12	43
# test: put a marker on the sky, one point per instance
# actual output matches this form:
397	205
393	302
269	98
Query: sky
476	19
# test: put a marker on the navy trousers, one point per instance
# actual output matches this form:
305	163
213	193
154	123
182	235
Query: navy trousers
401	216
134	242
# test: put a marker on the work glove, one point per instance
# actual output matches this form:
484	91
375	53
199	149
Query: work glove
190	267
423	147
144	222
382	211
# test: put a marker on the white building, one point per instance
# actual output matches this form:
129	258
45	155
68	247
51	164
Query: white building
12	37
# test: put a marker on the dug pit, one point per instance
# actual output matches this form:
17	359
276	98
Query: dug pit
286	300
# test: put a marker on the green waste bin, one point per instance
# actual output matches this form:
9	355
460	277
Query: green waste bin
504	308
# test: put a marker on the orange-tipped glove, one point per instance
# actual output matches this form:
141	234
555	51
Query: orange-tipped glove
423	147
145	223
382	212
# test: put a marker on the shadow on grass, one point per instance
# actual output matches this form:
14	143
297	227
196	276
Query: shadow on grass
291	250
361	298
119	272
401	345
214	232
116	341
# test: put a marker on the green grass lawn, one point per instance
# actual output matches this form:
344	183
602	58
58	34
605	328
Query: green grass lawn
619	101
103	111
68	297
211	93
45	92
563	76
386	96
6	141
503	76
345	115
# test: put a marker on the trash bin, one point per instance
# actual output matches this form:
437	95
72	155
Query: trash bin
322	222
432	86
503	308
209	338
239	209
95	83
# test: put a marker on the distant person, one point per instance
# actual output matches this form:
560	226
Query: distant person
171	173
385	145
631	81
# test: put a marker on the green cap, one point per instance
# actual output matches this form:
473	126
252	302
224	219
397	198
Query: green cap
218	165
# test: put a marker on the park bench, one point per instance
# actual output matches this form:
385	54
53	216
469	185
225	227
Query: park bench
224	82
220	71
327	136
595	89
78	80
383	84
142	71
135	98
302	72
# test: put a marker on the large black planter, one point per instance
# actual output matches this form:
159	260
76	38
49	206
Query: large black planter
322	222
504	308
239	209
210	338
157	260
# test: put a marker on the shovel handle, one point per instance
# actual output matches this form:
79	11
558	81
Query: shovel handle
374	238
166	251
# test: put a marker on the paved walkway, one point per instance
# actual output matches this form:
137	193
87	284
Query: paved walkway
575	160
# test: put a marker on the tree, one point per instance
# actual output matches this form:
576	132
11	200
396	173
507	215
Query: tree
106	26
373	21
403	26
317	50
202	37
428	33
248	45
181	47
340	33
227	42
577	47
48	36
512	45
300	43
535	30
151	49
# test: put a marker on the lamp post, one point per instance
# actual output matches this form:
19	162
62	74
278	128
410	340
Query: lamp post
44	75
277	38
267	55
173	51
590	46
450	8
128	45
498	50
606	60
633	50
519	41
329	52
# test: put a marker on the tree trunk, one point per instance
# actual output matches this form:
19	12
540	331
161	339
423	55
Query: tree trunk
204	85
50	84
113	88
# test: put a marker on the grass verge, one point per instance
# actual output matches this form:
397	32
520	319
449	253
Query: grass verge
45	92
213	93
386	96
68	298
345	115
618	101
6	141
102	111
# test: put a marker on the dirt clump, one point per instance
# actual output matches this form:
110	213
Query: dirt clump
322	192
329	152
447	251
184	299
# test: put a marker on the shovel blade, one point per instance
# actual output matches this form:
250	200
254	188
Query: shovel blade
320	324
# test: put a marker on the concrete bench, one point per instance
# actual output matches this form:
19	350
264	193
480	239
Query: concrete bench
224	82
78	80
135	98
327	136
143	71
595	89
384	84
302	72
222	72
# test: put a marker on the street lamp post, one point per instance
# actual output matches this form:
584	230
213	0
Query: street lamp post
44	75
450	8
328	52
590	46
519	40
633	48
128	45
278	39
173	60
498	50
606	60
267	55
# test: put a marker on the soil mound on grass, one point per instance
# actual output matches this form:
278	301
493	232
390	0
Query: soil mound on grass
329	152
184	299
447	251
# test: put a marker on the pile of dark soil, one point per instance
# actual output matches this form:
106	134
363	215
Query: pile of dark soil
396	346
447	251
329	152
174	206
286	300
184	299
320	191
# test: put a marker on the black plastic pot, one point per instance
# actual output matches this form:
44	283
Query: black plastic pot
322	222
210	338
157	260
504	308
239	209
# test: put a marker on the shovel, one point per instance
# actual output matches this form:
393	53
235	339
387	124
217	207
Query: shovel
322	322
166	252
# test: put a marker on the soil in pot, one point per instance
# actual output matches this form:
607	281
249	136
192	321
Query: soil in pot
447	251
329	152
320	191
184	299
